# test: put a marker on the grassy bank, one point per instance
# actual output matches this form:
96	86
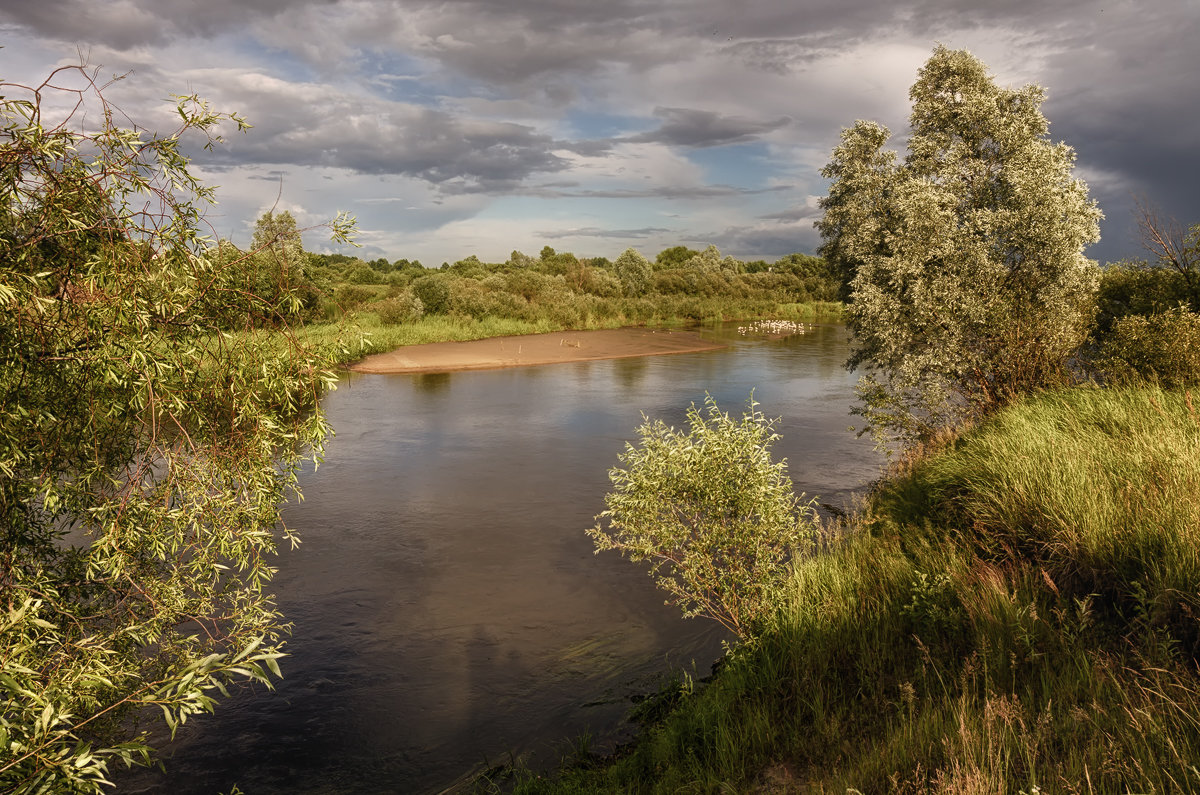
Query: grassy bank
363	333
1014	612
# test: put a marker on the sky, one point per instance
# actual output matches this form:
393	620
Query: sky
458	127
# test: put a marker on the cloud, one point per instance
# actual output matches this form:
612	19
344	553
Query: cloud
321	126
124	24
592	231
703	128
474	104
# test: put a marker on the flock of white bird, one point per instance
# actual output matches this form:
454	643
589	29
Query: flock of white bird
775	327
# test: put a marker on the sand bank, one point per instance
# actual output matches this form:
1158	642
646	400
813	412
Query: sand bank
559	346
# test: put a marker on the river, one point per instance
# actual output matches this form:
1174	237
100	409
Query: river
449	613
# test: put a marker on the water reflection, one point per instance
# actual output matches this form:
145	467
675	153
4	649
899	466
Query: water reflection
432	383
630	372
448	610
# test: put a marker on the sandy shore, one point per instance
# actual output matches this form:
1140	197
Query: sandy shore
560	346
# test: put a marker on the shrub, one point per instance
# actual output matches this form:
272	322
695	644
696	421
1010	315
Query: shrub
1163	348
1136	288
597	281
404	308
468	298
434	293
351	296
713	512
528	284
363	273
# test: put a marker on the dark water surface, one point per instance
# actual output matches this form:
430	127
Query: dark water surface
449	613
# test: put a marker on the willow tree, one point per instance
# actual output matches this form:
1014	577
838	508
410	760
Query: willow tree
634	271
964	263
144	449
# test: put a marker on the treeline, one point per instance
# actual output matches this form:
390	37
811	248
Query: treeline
555	287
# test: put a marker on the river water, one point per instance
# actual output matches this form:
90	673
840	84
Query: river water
449	613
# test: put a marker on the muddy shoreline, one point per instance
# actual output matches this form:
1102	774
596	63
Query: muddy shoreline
535	349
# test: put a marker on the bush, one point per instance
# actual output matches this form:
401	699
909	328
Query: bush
351	296
363	273
713	512
434	293
1163	348
404	308
597	281
528	284
1135	288
469	298
634	271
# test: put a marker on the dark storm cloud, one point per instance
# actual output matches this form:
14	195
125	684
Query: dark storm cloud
702	128
123	24
1123	92
459	155
767	242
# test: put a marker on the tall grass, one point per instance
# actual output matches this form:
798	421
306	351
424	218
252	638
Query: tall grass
1016	612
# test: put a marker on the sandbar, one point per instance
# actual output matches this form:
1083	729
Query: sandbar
534	349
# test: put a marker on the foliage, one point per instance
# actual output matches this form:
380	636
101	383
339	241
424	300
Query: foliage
710	261
434	292
634	271
1137	288
560	290
1163	348
711	510
967	279
364	274
349	297
404	308
673	257
144	449
277	270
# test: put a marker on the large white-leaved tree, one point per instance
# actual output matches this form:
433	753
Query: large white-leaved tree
964	263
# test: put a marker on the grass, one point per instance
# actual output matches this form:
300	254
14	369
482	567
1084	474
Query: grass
1013	612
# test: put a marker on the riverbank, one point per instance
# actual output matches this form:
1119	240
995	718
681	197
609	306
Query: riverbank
353	340
1014	611
535	349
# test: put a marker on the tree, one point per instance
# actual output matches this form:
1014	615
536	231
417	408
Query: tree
964	264
673	257
144	449
277	273
434	292
1175	251
712	511
634	271
710	261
